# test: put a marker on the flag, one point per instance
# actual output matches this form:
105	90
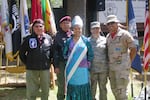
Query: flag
0	20
36	10
14	21
24	18
136	63
132	28
48	17
6	29
146	57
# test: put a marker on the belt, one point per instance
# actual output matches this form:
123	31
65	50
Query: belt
116	62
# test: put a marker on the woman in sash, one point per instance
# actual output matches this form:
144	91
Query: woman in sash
78	53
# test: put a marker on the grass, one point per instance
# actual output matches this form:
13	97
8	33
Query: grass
136	90
13	93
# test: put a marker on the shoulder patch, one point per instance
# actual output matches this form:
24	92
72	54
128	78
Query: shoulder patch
33	43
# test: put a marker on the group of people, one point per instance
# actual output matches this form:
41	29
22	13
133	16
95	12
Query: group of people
80	62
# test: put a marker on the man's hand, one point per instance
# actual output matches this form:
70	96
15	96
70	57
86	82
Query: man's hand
57	70
132	54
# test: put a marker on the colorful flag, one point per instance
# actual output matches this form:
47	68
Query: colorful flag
146	57
24	18
36	10
6	29
14	21
136	64
48	15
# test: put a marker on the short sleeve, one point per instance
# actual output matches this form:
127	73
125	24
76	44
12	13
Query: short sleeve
129	40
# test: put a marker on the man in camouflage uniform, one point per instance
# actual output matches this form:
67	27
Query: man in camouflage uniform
99	66
121	52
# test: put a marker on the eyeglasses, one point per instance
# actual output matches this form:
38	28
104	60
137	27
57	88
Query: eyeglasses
111	23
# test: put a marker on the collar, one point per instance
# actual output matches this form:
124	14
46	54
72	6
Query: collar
113	34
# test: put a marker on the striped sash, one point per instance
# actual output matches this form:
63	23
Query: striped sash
78	53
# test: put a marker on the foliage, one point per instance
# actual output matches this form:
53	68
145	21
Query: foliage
56	3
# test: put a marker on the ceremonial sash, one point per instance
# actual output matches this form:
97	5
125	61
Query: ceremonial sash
78	53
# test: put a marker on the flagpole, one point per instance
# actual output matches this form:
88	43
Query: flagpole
131	75
145	83
127	14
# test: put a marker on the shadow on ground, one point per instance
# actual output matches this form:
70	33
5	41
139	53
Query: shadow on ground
19	93
8	93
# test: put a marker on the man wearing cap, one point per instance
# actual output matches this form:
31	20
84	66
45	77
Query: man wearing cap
99	66
59	62
121	52
36	53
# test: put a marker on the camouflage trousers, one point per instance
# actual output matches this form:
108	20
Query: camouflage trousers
119	80
100	80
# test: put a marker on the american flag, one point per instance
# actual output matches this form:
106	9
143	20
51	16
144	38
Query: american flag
146	58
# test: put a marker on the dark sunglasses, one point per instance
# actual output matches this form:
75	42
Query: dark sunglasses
111	23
